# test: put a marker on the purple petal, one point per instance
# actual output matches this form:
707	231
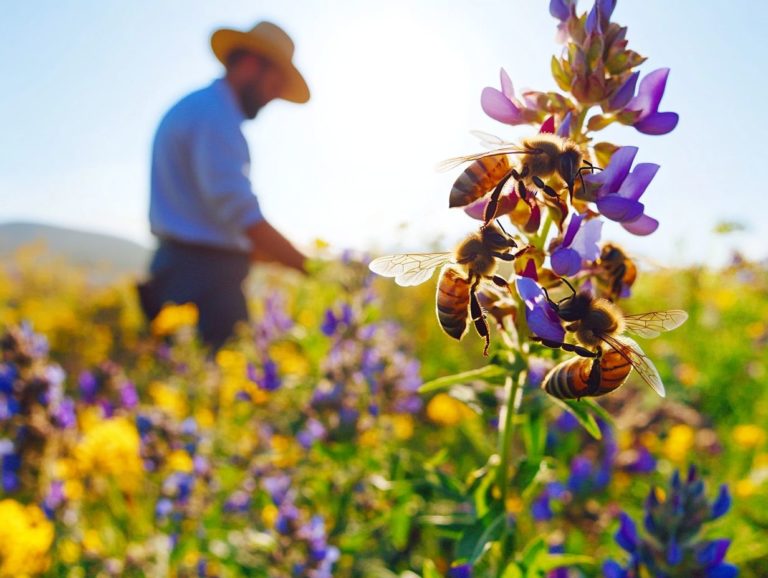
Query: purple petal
713	553
548	126
506	85
559	9
650	92
637	181
625	93
612	569
723	571
586	239
592	25
722	503
642	226
619	209
613	175
606	9
499	107
565	127
565	262
573	227
657	123
542	319
626	536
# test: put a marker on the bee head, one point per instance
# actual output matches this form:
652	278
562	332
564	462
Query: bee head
568	165
496	239
574	307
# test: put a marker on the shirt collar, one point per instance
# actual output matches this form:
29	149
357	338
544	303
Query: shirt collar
228	97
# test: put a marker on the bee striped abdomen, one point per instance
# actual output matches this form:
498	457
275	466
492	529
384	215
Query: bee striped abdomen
478	178
570	379
453	293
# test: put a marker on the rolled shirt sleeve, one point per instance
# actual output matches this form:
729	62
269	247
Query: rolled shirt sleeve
221	164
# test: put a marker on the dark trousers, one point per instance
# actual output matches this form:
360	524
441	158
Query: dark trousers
209	277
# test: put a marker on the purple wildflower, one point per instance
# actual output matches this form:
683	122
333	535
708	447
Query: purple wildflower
624	94
579	245
501	105
129	397
542	319
618	191
646	103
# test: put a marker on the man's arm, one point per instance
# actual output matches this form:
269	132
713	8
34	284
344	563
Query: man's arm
270	245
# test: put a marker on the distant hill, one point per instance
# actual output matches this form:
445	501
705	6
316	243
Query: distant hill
109	254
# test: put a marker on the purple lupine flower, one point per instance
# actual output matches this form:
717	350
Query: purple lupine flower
565	127
579	245
618	191
330	323
129	397
626	535
277	487
163	508
54	498
612	569
624	94
561	9
313	431
270	380
64	415
88	386
643	463
460	571
646	103
722	503
8	375
501	105
542	319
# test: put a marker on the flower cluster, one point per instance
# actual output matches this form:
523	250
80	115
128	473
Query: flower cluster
673	520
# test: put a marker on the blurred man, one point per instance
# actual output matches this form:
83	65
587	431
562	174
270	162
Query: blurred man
202	209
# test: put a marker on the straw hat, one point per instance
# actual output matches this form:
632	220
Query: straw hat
270	41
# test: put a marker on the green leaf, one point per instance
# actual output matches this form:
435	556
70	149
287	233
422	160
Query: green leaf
599	410
532	551
580	411
400	524
487	372
429	570
478	537
559	74
550	562
535	435
526	472
512	571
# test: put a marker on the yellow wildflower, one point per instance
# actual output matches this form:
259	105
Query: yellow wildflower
174	317
687	374
446	410
92	542
402	426
69	551
205	418
289	359
514	505
179	461
169	399
285	451
748	435
369	439
111	449
745	488
269	515
25	539
679	442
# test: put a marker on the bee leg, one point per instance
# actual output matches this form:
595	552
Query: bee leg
570	347
595	376
478	317
544	186
493	202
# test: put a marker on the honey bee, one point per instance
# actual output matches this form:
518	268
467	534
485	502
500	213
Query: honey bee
541	157
614	271
597	323
474	260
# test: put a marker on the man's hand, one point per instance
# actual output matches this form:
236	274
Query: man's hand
271	246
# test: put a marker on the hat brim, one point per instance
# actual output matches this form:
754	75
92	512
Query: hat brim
225	40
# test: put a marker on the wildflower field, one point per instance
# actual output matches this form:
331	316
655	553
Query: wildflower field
349	431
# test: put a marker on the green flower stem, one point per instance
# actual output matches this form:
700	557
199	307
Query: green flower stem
514	395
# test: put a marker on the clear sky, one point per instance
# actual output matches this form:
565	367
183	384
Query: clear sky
396	88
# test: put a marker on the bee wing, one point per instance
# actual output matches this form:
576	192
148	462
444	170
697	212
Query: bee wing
508	149
488	139
410	268
651	324
631	351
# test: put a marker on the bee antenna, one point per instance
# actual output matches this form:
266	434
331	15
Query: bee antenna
564	280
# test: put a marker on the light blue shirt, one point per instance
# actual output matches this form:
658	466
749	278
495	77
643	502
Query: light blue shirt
200	186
